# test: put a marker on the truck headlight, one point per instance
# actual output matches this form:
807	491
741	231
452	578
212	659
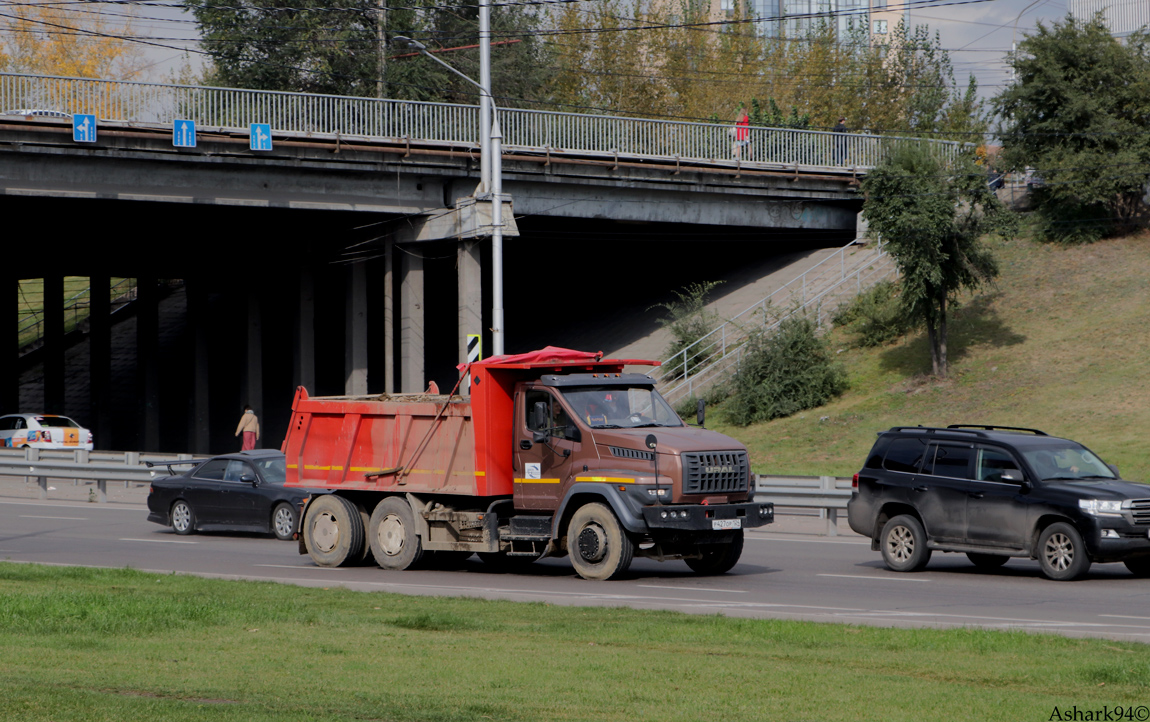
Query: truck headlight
1100	507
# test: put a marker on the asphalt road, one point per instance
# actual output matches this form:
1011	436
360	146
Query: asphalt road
791	575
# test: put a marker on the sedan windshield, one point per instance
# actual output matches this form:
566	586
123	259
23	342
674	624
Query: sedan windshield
620	407
1067	462
56	421
274	471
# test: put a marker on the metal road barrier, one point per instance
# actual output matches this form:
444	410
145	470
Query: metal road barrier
539	131
828	494
81	465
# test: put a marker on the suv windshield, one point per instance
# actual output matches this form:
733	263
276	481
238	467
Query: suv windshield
1067	462
620	407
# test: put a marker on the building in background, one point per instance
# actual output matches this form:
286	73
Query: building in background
1121	16
795	18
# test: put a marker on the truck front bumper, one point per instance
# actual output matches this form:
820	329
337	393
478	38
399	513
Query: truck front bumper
708	517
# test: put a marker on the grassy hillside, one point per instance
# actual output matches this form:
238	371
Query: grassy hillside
1061	344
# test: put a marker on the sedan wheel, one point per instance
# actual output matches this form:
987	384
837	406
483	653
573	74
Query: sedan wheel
283	521
1061	553
183	520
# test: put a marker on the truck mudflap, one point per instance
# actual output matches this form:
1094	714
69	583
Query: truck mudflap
708	517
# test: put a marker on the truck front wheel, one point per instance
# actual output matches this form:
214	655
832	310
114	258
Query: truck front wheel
394	543
600	548
333	531
718	558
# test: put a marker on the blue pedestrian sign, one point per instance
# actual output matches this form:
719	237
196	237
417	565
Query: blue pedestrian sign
184	134
260	136
84	128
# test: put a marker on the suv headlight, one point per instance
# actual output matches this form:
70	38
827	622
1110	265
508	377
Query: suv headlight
1100	507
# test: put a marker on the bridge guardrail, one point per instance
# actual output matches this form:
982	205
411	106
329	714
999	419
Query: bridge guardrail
524	130
828	494
82	465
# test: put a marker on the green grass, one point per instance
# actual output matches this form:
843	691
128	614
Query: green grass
92	644
1061	344
31	303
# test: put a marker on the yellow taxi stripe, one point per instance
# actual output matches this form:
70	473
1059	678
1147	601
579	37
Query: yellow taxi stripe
537	481
608	479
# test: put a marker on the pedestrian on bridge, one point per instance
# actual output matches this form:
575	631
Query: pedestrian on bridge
250	428
742	135
840	142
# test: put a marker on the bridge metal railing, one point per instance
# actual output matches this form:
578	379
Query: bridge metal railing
530	130
716	355
30	328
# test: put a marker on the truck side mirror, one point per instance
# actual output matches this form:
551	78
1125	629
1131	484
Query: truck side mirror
539	421
701	412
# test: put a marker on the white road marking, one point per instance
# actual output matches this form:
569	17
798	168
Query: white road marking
865	576
1123	616
295	566
161	541
691	589
807	541
69	518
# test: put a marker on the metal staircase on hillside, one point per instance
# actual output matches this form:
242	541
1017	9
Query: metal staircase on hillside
819	291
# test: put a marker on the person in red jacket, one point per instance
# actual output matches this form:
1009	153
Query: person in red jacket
742	135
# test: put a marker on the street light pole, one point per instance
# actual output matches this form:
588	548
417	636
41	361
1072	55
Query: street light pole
491	154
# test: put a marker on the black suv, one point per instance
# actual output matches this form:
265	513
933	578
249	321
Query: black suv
996	492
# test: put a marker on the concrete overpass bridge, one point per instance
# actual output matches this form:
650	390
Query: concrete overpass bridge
352	248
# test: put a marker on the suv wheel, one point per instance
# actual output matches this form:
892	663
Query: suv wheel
1061	553
903	544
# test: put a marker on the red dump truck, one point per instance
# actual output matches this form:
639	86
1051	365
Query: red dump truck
551	453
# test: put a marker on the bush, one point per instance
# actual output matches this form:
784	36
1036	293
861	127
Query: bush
688	321
782	372
875	316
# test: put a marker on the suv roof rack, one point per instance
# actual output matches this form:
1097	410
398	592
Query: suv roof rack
936	429
1036	432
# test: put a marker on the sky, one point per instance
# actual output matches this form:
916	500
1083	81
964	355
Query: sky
977	34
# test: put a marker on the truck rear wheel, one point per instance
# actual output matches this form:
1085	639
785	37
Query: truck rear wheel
599	546
333	531
394	543
718	558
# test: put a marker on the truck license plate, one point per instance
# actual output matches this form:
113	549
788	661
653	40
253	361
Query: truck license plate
726	524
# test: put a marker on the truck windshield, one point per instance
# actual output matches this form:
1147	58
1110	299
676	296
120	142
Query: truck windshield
1067	462
620	407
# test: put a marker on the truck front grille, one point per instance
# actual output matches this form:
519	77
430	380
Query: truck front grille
715	472
1140	508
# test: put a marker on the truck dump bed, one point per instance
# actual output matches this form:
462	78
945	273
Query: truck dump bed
423	443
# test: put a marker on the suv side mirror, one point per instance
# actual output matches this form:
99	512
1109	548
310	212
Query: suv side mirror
1114	468
701	412
1026	487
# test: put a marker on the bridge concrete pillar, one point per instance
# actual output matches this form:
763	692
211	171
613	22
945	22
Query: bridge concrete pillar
303	356
470	273
862	229
411	323
100	360
147	362
199	418
355	331
9	360
253	388
53	348
389	317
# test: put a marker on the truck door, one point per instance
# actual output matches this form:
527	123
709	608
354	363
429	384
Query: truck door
542	469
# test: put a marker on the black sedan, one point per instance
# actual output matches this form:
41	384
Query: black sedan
234	492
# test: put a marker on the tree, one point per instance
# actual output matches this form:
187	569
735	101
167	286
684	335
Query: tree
47	39
932	217
1078	113
333	47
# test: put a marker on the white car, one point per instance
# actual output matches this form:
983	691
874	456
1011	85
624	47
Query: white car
43	431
